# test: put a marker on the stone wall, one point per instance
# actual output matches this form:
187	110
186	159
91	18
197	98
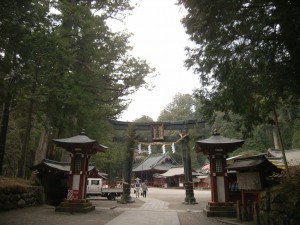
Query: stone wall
280	206
20	197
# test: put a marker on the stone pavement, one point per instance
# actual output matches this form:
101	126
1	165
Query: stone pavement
161	207
152	212
146	218
157	212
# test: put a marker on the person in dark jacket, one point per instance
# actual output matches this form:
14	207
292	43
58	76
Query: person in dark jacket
145	189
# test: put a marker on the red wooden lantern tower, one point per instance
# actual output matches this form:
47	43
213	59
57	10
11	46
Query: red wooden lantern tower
217	148
81	148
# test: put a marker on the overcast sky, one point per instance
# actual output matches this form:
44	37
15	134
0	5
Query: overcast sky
160	39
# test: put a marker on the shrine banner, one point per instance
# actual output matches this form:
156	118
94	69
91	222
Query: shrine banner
70	194
75	194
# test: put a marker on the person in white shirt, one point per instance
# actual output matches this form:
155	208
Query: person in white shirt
137	190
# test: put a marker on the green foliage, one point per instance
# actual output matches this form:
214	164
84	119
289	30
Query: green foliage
181	108
245	55
19	185
68	67
110	162
296	135
184	107
144	119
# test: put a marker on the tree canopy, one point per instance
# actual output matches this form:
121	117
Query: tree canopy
63	69
247	54
181	108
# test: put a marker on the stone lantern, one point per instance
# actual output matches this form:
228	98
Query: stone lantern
217	148
80	148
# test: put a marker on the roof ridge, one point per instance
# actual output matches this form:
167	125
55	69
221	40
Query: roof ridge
162	156
45	160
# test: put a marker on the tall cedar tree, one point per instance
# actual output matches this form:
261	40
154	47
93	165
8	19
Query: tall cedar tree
247	53
76	71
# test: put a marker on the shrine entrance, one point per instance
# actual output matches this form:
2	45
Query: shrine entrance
153	134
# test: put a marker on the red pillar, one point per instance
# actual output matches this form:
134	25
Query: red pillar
78	176
217	169
226	184
70	178
83	176
213	178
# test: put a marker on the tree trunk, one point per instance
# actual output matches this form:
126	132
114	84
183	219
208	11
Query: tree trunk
50	145
127	166
276	139
3	128
23	159
280	141
189	190
41	151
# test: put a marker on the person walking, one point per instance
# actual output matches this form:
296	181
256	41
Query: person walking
145	189
137	190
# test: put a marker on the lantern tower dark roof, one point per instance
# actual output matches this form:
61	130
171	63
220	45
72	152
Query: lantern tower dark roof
80	143
218	143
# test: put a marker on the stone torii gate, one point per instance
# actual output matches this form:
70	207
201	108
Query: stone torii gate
156	134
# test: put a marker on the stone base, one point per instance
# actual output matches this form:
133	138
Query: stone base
220	209
189	194
193	202
125	200
189	201
126	197
75	206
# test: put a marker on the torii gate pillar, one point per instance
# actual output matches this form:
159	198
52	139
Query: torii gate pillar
188	185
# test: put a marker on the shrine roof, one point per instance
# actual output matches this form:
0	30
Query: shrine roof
156	162
175	171
245	164
62	167
292	157
258	162
47	163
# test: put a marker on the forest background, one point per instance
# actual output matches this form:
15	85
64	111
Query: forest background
63	69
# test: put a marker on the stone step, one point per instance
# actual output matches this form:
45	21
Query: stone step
221	208
75	209
231	214
75	204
